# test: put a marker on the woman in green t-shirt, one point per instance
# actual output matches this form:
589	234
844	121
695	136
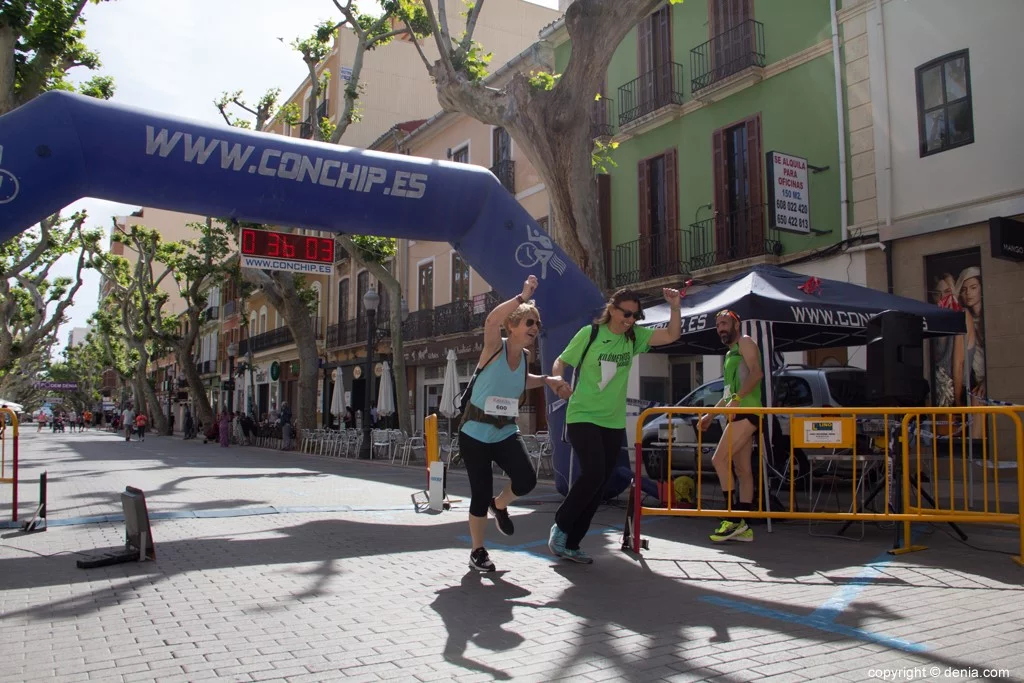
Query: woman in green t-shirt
596	414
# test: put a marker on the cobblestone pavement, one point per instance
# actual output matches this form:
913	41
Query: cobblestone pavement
284	566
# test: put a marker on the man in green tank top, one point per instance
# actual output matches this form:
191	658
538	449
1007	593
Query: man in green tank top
742	375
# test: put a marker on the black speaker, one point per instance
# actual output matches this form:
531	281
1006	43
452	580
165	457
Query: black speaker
895	355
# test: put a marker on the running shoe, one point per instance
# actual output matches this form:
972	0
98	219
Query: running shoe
576	555
480	560
502	519
556	540
730	531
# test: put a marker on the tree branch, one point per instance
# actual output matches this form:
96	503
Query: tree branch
441	37
474	14
419	49
383	38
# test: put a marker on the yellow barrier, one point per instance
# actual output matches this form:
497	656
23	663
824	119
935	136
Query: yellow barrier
13	479
430	440
899	448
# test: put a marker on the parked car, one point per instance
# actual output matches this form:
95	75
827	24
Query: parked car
793	387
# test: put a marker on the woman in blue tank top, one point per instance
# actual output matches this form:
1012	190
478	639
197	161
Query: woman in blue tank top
489	433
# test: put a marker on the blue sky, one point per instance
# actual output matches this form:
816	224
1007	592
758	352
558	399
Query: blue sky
177	57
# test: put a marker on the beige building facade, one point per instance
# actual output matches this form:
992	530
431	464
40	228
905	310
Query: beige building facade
394	80
936	174
446	298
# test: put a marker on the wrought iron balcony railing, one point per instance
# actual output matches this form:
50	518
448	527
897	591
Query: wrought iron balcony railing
649	257
211	313
282	336
727	54
453	318
731	237
659	87
725	237
602	118
230	308
505	171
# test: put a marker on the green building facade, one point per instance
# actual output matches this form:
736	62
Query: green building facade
696	96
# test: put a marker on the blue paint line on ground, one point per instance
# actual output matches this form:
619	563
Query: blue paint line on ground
822	624
225	512
841	599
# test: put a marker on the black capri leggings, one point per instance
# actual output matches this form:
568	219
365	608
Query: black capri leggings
510	455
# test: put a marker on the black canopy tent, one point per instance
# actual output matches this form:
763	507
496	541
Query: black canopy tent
801	313
786	311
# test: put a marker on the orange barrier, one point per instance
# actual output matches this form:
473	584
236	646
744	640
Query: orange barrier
13	479
900	448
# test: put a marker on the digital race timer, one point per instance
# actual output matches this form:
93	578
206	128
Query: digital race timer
283	245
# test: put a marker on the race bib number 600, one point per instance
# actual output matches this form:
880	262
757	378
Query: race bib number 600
499	406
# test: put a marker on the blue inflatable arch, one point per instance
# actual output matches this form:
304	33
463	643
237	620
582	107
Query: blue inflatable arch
62	147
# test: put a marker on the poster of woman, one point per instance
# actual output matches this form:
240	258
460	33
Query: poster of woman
954	281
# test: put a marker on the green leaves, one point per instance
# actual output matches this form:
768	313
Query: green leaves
473	62
315	47
542	80
601	157
50	42
374	249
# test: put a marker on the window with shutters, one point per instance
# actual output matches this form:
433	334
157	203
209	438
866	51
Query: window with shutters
657	250
343	300
656	84
460	278
461	155
731	33
739	196
362	286
735	43
425	287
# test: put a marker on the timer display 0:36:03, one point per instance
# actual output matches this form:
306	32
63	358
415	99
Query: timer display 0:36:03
287	246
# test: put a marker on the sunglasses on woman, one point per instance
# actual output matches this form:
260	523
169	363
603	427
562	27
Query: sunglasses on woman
530	322
627	314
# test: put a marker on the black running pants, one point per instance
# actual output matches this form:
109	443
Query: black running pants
510	454
598	450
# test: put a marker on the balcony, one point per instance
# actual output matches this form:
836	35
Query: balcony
505	171
602	118
206	367
352	332
713	242
454	318
728	62
273	339
211	313
230	308
735	236
650	257
662	86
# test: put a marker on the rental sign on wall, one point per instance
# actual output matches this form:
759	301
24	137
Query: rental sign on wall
789	195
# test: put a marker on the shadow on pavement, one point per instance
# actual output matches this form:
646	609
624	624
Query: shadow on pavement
476	611
633	617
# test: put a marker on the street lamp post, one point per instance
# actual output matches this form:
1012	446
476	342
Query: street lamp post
232	352
370	302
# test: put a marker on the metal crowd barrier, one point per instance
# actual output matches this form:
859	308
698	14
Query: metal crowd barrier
919	464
